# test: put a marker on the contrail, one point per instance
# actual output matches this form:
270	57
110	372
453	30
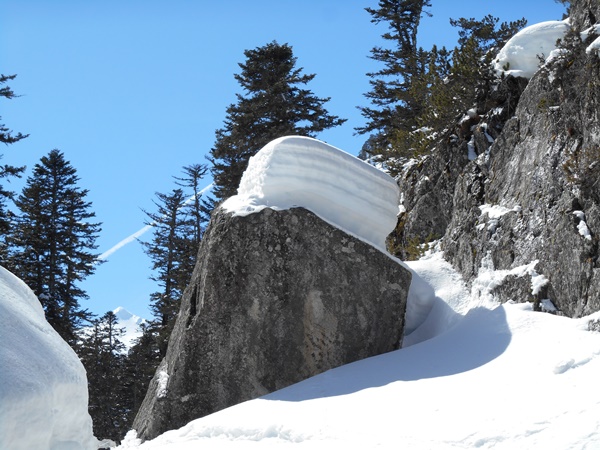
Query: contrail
143	230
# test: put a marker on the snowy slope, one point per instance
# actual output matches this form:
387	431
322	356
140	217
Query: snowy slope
476	375
43	385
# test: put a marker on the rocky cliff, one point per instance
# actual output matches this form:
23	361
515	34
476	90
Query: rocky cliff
530	190
276	297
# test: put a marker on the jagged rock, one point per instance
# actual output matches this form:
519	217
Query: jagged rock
276	297
543	169
428	187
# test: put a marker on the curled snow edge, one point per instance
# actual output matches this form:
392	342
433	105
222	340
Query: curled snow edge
295	171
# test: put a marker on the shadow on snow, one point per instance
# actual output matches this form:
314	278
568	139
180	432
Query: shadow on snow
477	338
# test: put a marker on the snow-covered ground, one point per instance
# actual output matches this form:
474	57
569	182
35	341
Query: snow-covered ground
520	56
43	385
473	374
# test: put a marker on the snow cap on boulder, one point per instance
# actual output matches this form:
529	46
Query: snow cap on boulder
340	188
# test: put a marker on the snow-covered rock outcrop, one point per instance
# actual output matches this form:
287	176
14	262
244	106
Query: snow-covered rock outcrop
340	188
520	57
279	294
43	385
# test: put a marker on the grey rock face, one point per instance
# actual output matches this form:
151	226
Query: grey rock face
545	164
542	167
276	297
428	187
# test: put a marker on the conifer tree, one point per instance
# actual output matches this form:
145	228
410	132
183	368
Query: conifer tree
395	105
52	241
102	354
274	104
191	179
7	137
169	251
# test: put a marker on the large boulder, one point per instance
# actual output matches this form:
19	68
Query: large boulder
276	297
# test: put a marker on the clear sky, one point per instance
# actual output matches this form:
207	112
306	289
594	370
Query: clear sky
132	91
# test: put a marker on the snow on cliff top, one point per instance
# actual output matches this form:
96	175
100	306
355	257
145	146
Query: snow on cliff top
340	188
43	385
520	56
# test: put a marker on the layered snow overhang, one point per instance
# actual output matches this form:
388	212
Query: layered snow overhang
343	190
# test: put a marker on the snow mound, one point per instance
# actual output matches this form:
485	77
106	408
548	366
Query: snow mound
520	56
43	385
296	171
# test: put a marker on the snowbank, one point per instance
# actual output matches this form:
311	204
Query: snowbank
499	377
520	56
343	190
43	385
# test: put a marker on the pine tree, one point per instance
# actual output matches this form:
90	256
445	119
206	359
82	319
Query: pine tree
419	93
274	104
395	103
102	354
169	251
193	175
7	137
52	240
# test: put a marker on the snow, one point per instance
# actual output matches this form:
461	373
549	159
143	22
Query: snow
340	188
163	380
43	385
497	211
493	213
582	225
594	47
520	55
472	374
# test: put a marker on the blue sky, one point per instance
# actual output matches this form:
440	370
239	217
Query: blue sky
132	91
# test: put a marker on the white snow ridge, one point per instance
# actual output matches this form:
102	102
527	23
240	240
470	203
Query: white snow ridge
43	385
340	188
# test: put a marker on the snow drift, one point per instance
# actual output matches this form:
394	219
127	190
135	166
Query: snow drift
340	188
43	385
